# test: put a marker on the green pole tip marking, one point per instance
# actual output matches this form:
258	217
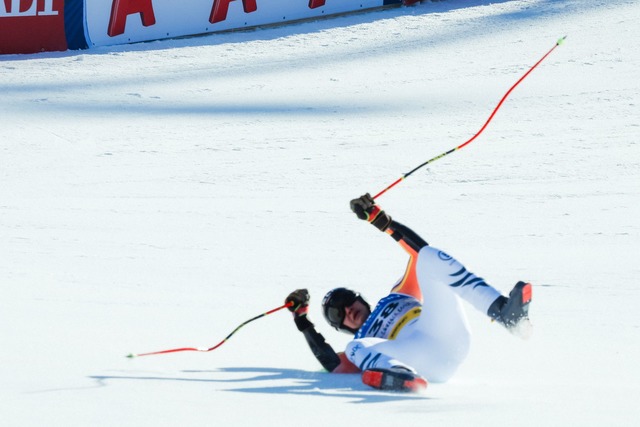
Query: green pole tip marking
131	355
561	40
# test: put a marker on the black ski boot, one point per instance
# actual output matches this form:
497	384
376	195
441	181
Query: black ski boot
513	312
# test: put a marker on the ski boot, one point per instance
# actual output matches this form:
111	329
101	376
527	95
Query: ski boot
513	312
394	379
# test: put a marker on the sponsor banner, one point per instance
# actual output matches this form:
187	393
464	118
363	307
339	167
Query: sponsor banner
28	26
111	22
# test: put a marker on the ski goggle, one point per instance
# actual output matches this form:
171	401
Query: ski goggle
334	304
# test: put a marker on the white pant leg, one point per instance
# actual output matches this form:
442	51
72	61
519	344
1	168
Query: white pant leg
438	341
437	268
436	359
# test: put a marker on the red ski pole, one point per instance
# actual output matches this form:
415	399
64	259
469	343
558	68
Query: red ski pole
175	350
403	177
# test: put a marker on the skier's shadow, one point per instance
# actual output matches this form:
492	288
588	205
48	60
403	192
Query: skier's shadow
279	381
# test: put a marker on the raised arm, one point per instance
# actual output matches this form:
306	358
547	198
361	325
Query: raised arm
366	209
408	239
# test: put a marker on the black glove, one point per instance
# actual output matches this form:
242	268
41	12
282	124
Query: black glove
300	299
366	209
362	205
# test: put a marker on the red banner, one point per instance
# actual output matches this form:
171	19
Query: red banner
28	26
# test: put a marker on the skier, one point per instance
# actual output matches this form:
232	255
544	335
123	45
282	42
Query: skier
419	331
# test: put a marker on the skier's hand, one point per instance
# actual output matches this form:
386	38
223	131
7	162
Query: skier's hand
366	209
300	302
362	206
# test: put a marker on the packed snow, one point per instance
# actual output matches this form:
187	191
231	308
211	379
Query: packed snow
158	195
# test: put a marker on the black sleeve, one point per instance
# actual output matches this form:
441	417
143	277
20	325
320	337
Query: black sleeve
403	233
320	348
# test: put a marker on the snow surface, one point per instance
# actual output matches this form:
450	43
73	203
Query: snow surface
158	195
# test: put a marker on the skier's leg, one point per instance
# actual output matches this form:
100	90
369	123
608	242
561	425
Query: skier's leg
438	342
368	353
434	345
435	358
437	269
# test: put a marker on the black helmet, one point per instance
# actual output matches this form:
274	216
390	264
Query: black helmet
333	307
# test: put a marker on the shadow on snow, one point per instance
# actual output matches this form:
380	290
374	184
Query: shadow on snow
278	381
